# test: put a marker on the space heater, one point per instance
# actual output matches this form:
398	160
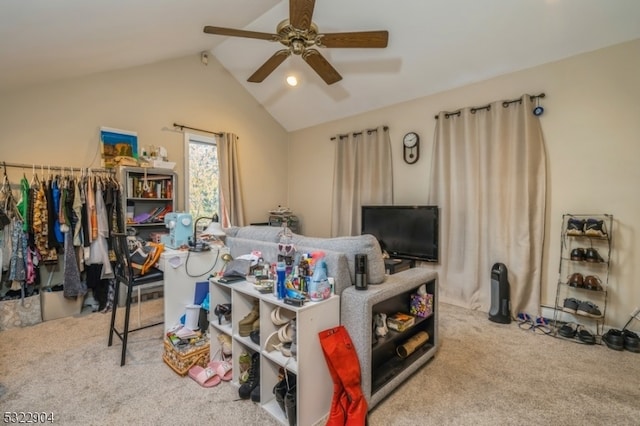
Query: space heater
500	311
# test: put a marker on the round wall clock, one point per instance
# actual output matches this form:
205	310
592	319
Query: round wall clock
411	147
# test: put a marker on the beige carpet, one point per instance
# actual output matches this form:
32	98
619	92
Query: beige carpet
483	374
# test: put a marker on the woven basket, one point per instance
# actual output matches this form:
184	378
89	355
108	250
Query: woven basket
181	360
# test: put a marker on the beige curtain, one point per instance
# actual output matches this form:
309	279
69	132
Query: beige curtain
231	207
489	180
363	174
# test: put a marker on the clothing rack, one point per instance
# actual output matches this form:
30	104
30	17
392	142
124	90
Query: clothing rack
62	168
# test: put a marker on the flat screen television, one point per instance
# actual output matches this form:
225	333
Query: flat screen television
406	232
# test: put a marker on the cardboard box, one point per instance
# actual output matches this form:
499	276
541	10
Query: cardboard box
55	305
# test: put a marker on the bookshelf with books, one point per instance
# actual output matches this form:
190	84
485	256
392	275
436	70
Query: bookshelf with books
148	195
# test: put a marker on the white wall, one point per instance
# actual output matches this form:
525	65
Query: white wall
592	135
58	123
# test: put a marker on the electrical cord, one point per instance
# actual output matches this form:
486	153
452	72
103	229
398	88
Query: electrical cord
186	265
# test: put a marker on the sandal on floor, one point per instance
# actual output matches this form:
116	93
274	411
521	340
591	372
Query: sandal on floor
205	377
223	369
525	321
542	325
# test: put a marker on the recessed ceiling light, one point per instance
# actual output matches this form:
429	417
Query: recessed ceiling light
292	80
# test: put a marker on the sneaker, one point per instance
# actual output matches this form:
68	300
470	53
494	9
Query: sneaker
254	378
591	255
613	339
577	254
575	227
594	228
568	330
592	282
576	280
588	309
571	305
631	341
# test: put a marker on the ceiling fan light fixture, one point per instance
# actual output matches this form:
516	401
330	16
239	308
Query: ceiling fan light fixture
292	80
300	36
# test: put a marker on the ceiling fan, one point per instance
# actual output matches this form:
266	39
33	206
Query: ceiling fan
300	35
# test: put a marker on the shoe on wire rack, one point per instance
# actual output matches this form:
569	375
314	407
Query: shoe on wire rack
571	305
594	228
588	309
575	227
591	255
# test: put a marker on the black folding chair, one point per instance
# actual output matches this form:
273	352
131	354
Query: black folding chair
130	277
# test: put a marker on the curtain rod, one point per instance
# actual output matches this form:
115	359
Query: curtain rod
182	127
488	106
333	138
43	167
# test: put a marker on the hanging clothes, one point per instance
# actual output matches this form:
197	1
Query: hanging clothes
77	215
17	268
55	197
7	202
99	245
72	285
41	226
23	202
91	209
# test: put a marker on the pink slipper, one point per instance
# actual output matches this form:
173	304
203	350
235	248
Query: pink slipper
223	369
205	377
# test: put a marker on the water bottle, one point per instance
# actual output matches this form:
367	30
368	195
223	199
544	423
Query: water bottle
281	271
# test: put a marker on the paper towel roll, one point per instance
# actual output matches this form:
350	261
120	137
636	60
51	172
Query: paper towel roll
192	316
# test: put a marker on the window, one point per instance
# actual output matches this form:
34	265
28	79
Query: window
202	197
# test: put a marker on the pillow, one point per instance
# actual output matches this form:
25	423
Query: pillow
261	233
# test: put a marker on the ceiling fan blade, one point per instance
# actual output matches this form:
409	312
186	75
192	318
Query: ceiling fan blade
240	33
355	39
300	13
268	67
321	66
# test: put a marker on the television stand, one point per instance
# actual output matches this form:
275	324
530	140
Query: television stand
394	265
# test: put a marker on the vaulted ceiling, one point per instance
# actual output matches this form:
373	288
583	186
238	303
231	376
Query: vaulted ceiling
433	45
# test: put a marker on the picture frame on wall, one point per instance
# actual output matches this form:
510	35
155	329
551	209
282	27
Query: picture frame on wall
118	147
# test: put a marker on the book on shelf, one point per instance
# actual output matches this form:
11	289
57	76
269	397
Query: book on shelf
400	321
